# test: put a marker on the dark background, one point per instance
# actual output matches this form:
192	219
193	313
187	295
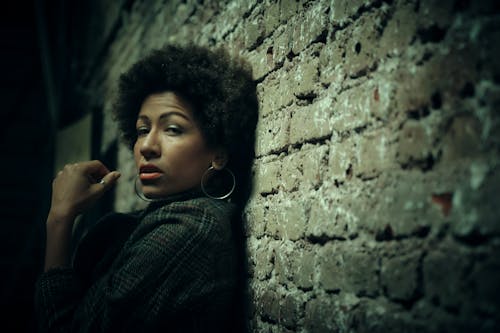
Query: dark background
37	81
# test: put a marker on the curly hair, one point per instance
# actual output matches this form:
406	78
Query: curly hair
219	87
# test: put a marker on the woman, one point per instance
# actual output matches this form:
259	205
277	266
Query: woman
189	114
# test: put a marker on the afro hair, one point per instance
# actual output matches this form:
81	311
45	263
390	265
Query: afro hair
219	87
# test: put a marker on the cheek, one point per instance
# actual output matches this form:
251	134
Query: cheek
198	157
204	154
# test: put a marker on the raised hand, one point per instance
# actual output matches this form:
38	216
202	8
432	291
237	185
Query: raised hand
78	186
74	190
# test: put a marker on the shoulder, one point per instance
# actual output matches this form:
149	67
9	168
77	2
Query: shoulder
186	218
195	209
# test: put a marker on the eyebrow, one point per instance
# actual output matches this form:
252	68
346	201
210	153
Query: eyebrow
165	115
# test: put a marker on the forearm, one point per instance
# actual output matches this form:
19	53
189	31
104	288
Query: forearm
73	192
57	252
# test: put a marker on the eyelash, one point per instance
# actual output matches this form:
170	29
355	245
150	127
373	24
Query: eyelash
175	130
141	131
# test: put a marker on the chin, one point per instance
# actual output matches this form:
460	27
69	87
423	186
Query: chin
153	192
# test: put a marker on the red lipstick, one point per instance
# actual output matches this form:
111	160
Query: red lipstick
149	172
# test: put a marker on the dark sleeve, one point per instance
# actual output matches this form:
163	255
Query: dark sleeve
166	269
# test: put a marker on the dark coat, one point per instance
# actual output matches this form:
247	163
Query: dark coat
170	268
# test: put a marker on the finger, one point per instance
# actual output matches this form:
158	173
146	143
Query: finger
107	181
94	167
95	170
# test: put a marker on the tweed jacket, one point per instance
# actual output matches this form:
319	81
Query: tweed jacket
169	268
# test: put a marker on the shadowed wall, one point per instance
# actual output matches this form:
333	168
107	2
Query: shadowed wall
377	170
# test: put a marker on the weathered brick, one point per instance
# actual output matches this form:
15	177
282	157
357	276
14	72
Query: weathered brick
271	17
331	269
304	76
254	31
282	44
222	24
275	92
400	276
441	75
400	30
341	158
375	155
292	172
332	72
318	316
441	286
255	218
381	316
313	164
354	272
303	267
260	61
265	92
291	309
415	143
409	199
312	121
288	8
309	26
272	133
304	168
282	257
463	139
267	177
361	273
366	104
360	56
270	305
341	10
263	261
286	219
352	110
331	219
410	135
235	40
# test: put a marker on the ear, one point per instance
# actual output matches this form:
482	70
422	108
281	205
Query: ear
220	159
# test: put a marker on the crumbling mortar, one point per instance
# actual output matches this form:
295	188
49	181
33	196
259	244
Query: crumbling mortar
382	6
436	115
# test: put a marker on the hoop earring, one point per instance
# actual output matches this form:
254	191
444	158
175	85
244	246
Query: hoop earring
139	193
222	197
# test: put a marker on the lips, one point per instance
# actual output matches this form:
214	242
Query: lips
149	172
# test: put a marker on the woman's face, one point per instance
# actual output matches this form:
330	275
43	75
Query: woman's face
170	152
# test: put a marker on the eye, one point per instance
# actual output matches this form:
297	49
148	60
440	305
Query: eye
173	130
142	131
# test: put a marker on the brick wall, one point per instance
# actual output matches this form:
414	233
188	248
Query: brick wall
377	169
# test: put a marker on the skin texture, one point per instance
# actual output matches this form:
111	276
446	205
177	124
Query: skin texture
74	190
170	142
219	87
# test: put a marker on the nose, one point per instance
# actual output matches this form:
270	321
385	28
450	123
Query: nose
150	146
